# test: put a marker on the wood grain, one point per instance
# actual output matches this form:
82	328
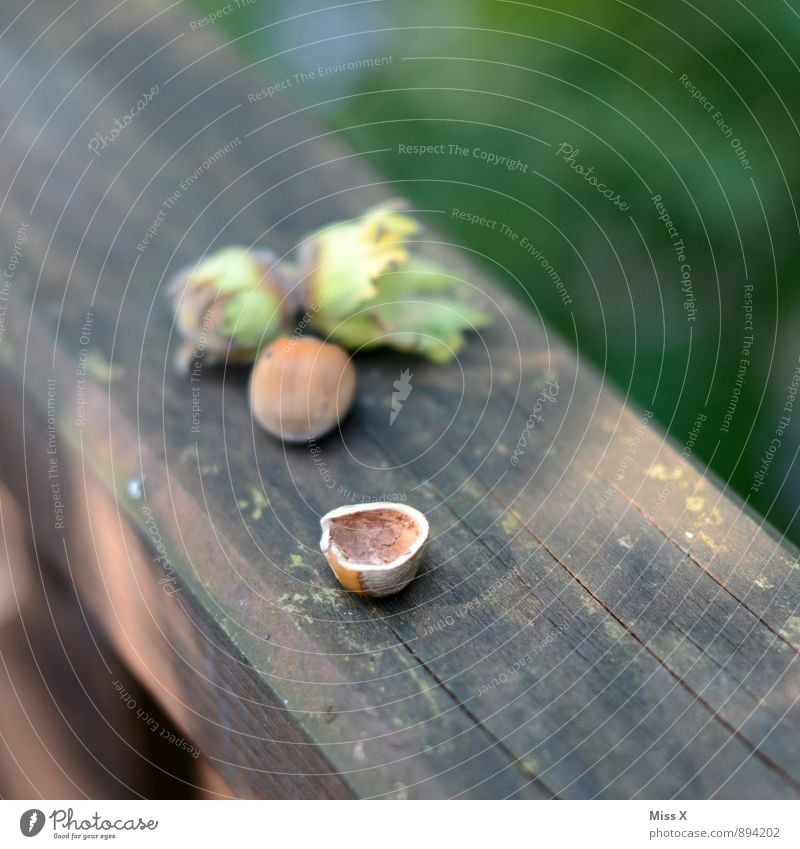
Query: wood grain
600	619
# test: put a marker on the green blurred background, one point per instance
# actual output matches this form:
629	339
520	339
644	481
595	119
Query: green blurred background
696	103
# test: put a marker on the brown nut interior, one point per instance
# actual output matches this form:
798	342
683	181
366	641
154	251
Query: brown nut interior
374	537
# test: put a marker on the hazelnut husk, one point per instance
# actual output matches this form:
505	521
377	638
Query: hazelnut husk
301	388
367	285
229	304
374	549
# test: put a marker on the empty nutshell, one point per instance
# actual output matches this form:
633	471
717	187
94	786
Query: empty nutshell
301	388
374	549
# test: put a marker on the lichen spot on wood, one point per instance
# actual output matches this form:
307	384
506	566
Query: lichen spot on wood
659	472
695	504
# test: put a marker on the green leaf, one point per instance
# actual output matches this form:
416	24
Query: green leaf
228	270
252	318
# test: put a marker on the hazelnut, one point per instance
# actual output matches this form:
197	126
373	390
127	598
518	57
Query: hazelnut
229	304
370	286
374	549
301	388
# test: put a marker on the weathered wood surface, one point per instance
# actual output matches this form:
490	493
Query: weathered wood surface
599	620
64	732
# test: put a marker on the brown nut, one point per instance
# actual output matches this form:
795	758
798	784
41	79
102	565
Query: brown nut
374	549
301	388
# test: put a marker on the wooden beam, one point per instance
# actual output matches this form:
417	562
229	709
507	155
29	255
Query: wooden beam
597	619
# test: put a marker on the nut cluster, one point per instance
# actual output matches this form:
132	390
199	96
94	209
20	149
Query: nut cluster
361	284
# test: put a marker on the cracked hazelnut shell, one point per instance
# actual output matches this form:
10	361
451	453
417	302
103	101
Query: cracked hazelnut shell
374	549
